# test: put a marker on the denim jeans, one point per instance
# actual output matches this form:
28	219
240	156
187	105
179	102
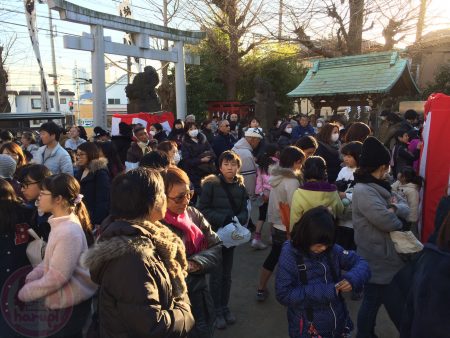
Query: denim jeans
220	281
376	295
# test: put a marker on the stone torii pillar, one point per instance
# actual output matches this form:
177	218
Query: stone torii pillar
98	45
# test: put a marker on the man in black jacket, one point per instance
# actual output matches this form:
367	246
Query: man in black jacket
223	141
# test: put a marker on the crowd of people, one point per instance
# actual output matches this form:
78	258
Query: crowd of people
127	226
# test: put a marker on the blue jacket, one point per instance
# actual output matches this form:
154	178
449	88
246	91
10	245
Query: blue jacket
330	315
299	131
58	162
427	310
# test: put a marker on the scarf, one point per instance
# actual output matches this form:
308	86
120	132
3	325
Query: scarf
193	238
368	178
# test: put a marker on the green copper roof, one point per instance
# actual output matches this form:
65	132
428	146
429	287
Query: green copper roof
376	73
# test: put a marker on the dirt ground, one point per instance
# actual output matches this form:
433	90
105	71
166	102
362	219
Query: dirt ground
268	319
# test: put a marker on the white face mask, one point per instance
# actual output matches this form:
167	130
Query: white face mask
177	157
152	132
193	133
334	137
382	118
288	130
319	124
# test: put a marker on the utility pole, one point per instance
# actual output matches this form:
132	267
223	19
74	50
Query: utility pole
54	75
280	20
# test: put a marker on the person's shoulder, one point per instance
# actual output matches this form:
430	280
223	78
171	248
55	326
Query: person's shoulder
210	180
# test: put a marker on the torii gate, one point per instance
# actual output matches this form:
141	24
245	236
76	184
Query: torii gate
98	45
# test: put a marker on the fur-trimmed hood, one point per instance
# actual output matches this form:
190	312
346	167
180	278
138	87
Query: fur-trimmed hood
98	164
102	252
277	174
216	179
153	242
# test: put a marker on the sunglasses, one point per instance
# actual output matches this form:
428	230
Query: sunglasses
180	198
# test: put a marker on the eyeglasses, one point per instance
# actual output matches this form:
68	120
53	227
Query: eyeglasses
80	154
180	198
25	184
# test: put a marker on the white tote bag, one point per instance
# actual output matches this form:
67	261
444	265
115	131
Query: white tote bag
405	242
233	234
35	249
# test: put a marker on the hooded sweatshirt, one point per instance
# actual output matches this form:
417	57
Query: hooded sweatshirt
284	183
314	194
248	169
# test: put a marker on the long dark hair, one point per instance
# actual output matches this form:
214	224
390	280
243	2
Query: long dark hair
91	150
443	240
68	188
325	133
9	202
109	150
317	226
410	176
265	159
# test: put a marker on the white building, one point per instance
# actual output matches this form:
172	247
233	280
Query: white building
28	101
116	98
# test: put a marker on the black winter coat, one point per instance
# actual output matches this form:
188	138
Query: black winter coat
177	136
122	144
403	158
222	142
136	296
284	140
191	155
332	159
208	259
427	310
95	188
215	205
12	258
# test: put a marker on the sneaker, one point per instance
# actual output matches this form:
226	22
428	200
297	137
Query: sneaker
221	323
230	318
258	244
261	295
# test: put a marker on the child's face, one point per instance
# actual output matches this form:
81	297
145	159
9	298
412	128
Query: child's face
404	138
349	161
318	248
229	169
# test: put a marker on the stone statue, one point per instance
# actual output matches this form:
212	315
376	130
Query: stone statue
265	107
142	94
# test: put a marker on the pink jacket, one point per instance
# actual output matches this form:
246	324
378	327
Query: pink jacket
262	183
60	278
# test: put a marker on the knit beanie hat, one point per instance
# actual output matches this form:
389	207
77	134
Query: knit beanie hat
374	153
7	166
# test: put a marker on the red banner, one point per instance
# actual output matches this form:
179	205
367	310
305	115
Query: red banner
166	119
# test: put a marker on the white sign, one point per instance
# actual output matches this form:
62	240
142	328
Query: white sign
86	122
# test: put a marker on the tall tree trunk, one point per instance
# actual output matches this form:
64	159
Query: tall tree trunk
5	107
354	42
232	71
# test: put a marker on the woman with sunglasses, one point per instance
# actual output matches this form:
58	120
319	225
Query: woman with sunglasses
31	177
203	248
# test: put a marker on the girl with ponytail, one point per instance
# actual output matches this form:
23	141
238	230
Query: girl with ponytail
60	280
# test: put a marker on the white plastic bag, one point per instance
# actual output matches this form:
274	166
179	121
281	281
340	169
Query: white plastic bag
234	234
35	249
405	242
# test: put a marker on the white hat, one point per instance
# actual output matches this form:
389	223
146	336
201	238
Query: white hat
254	132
